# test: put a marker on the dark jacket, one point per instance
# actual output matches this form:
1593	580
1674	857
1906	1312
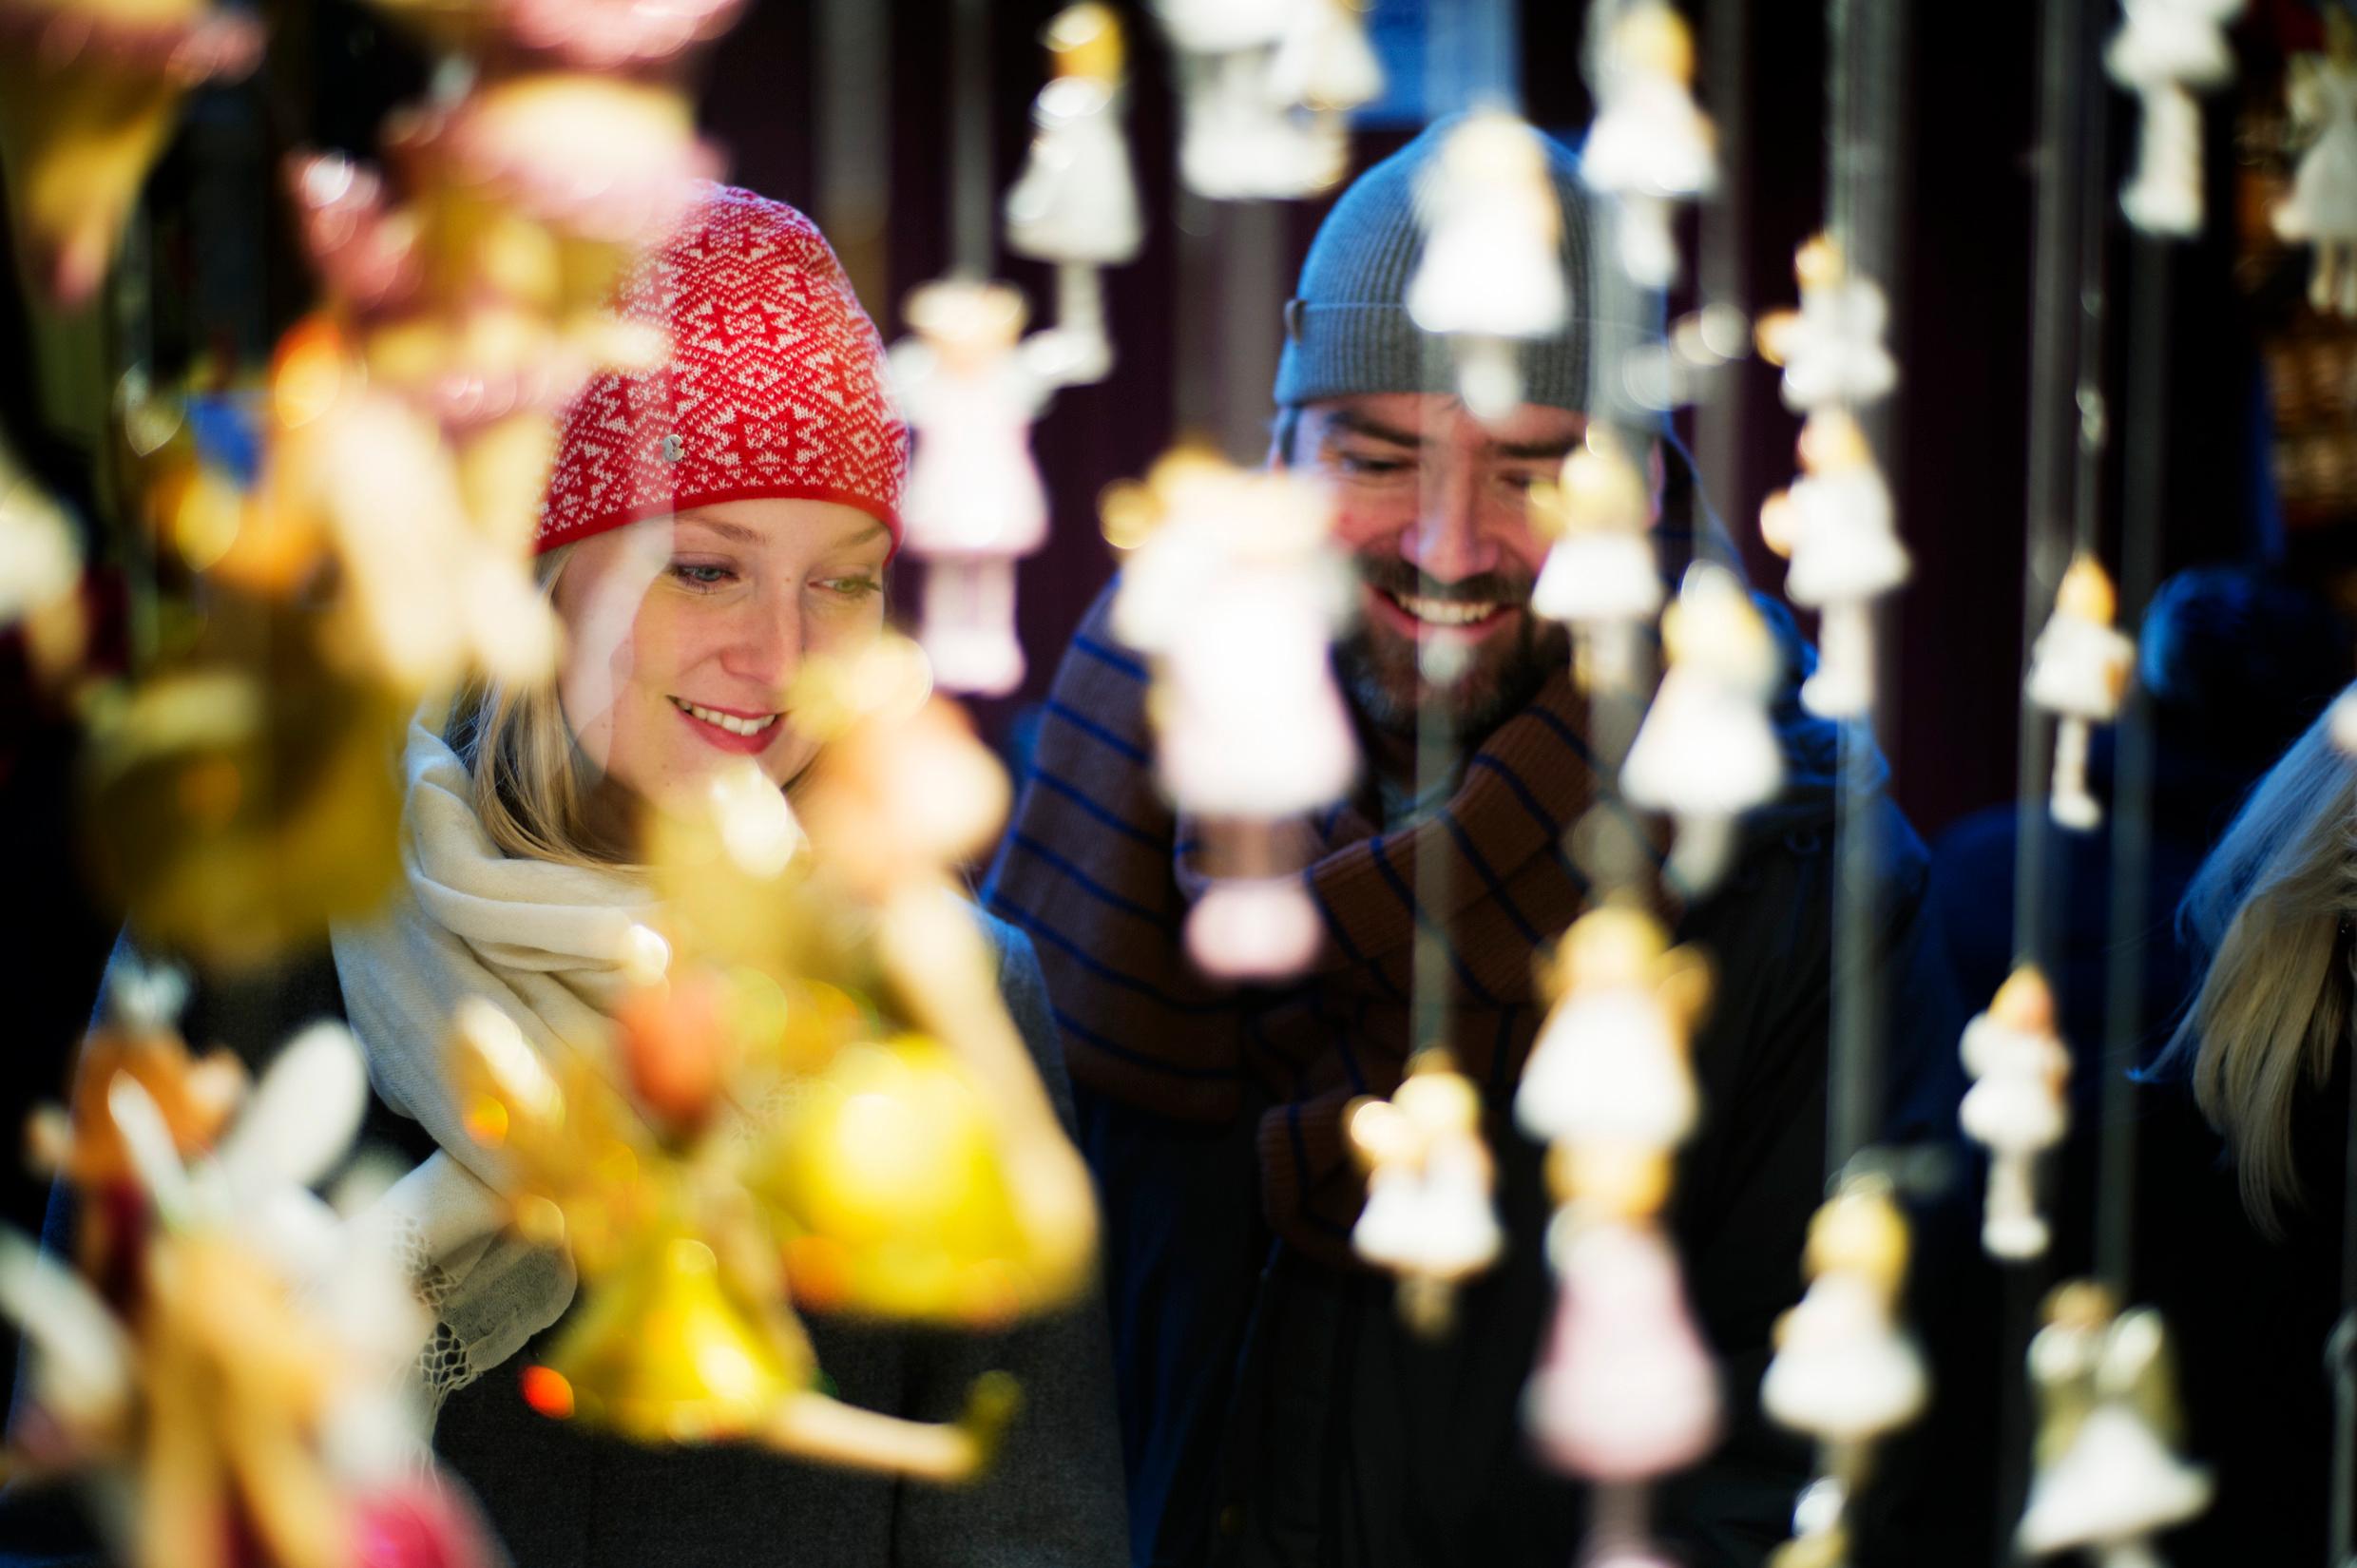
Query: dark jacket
561	1497
1273	1408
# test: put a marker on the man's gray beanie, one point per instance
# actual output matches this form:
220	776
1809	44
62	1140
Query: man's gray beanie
1347	331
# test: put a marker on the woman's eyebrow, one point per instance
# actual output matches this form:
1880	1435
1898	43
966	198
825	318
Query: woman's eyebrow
737	532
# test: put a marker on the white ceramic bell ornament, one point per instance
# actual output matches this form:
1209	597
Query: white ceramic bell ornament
2016	1108
2079	669
2321	93
2164	52
1845	1371
1428	1217
1235	593
1625	1390
1609	1068
1075	204
1707	751
1830	348
1835	525
1491	276
1649	146
1601	576
2109	1477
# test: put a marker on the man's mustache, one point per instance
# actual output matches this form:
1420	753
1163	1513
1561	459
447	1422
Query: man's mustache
1401	580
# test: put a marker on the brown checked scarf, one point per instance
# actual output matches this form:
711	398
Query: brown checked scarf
1101	872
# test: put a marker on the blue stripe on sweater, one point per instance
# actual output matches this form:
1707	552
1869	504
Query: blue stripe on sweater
1342	938
1112	656
1089	727
1606	790
1424	923
1080	798
1553	829
1489	878
1097	967
1088	884
1088	1037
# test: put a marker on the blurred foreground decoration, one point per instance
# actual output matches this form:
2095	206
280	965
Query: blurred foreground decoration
1428	1217
1649	147
222	1373
1234	589
2108	1477
2321	209
89	91
814	1097
2165	52
1264	87
1601	576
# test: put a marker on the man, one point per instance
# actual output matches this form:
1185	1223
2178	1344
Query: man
1276	1410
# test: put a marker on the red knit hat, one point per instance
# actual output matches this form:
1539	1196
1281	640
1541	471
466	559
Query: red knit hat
774	385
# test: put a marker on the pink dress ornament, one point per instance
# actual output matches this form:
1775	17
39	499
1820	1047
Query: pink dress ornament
1601	576
2108	1477
2322	210
1264	87
1707	751
2164	52
2079	669
1835	526
970	389
1625	1390
1492	274
1428	1217
1649	146
1234	592
2016	1108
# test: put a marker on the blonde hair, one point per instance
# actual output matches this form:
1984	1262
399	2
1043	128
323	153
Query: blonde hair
534	788
2267	919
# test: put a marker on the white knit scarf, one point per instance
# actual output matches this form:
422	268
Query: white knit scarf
539	941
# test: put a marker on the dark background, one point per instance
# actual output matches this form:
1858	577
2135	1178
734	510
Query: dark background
224	280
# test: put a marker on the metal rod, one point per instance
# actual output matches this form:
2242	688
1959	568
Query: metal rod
1721	227
973	191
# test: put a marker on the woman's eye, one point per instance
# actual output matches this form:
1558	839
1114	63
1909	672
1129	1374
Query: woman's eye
701	576
851	587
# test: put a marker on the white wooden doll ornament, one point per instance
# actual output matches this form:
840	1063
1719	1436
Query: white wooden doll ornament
2016	1108
1707	751
1601	576
1264	85
1428	1217
2164	51
2108	1478
2079	668
1075	204
1649	146
2322	96
1235	591
1491	276
1835	526
1832	347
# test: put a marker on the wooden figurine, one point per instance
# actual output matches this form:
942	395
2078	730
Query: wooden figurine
2016	1108
2164	52
1601	576
2322	209
1428	1217
1835	525
2079	669
1649	146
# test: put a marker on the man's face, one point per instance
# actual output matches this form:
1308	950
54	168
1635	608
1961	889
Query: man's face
1433	507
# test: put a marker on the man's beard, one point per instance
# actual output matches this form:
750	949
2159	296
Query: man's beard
1379	669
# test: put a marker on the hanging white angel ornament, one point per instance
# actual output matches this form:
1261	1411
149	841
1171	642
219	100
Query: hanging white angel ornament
2079	669
1601	576
1235	591
1707	751
1428	1217
1832	347
1075	204
1845	1372
1608	1078
970	387
2016	1108
2164	52
2321	93
2108	1477
1491	276
1835	525
1264	85
1649	146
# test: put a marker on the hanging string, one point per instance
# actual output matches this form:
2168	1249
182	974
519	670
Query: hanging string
1722	226
855	137
1862	53
973	192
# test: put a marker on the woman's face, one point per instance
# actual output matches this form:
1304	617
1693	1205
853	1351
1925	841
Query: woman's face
683	633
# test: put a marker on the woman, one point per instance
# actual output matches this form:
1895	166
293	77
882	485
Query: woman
708	527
